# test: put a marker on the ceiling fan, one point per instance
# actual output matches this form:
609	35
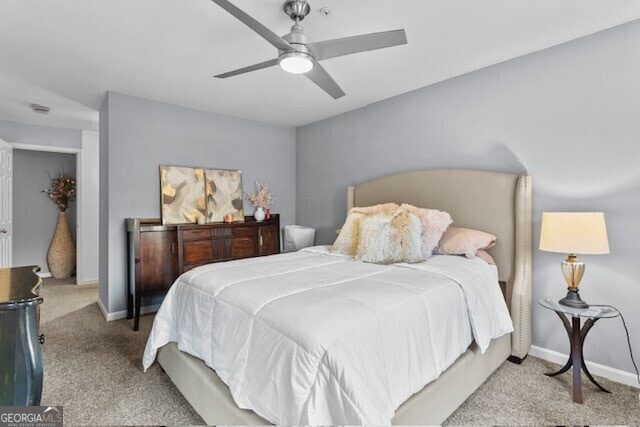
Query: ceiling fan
298	54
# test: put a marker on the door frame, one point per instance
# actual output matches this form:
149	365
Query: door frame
79	222
8	164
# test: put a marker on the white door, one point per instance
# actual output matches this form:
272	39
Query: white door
6	206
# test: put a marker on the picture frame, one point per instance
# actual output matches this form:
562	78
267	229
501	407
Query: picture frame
190	195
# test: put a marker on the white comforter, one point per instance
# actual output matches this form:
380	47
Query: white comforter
316	338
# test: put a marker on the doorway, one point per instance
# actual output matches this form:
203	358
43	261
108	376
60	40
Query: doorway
35	215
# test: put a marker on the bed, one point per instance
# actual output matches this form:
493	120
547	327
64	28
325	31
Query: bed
496	202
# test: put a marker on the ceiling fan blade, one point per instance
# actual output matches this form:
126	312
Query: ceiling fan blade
319	76
362	43
250	68
263	31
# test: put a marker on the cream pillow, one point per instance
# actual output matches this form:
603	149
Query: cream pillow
349	235
387	238
434	223
465	241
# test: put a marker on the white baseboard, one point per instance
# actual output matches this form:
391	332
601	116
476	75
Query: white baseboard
607	372
117	315
47	275
102	309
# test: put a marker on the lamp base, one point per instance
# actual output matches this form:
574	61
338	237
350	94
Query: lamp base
573	299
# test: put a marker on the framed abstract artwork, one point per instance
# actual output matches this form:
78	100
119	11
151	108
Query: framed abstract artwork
191	194
223	194
182	194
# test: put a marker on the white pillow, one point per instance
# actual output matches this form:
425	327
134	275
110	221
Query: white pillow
349	235
434	224
387	238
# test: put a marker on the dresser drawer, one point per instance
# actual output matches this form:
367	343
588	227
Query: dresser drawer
201	233
198	251
243	231
243	247
221	232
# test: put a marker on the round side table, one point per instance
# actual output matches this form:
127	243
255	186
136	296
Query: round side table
577	334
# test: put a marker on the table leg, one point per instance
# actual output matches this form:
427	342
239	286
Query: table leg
577	336
583	334
566	367
576	356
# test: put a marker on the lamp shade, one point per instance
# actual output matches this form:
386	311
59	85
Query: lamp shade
574	233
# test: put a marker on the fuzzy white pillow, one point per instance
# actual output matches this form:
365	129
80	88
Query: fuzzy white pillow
349	235
387	238
434	224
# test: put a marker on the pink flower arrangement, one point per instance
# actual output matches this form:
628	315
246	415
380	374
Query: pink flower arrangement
262	197
62	191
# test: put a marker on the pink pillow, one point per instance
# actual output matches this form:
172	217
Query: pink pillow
434	223
465	241
484	255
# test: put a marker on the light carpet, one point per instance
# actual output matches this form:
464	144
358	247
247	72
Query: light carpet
93	368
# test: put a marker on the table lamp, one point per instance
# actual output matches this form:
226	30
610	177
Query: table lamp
573	233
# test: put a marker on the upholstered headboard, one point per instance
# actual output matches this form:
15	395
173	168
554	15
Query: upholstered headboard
497	203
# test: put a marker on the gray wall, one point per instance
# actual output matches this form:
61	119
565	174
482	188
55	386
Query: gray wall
568	115
40	135
138	135
34	214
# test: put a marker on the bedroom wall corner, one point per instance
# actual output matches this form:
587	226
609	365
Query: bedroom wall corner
103	208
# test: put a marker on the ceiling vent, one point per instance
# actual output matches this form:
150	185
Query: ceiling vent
40	109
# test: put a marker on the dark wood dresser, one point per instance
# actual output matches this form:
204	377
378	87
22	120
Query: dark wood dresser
21	369
157	254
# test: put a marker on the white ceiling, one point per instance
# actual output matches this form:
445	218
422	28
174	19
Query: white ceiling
67	53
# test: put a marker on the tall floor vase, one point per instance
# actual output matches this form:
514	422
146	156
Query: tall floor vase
62	252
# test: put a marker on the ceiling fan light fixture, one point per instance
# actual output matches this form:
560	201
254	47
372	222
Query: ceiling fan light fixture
296	62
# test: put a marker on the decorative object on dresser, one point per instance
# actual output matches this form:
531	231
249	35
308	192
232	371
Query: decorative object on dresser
182	194
61	256
20	353
157	254
573	233
262	199
224	194
199	195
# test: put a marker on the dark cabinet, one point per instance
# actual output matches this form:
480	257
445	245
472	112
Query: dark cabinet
158	261
268	240
20	354
157	254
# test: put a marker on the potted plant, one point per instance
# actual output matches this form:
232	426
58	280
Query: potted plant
62	251
262	199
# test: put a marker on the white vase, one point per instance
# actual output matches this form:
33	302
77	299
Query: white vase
259	214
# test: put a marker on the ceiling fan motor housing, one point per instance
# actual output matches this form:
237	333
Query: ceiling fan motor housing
297	9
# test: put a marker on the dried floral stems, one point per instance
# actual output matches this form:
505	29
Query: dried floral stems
62	191
262	197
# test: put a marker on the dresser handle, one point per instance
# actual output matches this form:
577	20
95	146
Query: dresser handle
173	248
260	240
